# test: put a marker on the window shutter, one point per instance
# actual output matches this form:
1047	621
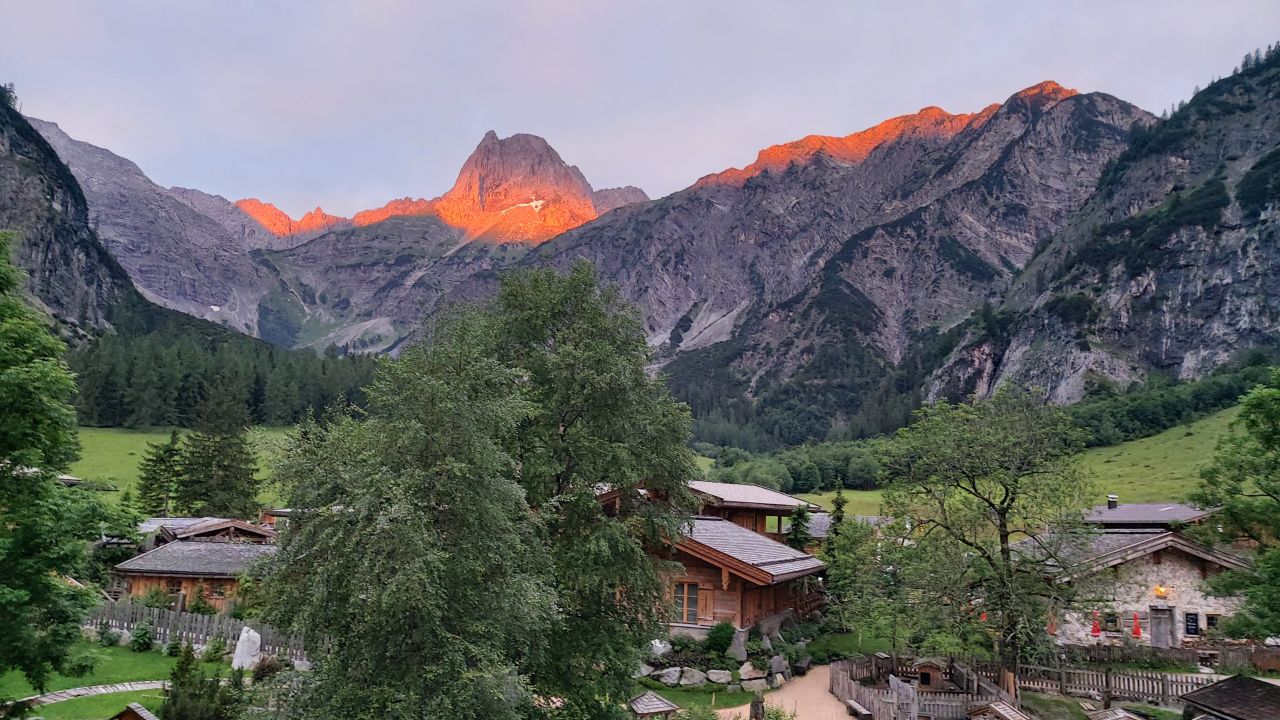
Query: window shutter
706	604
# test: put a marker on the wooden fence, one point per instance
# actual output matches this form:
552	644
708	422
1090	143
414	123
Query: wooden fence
169	626
1147	685
845	684
1223	656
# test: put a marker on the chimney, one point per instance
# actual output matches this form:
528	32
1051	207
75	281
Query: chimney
1112	501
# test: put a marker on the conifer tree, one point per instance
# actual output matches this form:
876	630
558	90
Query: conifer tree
218	465
798	531
160	475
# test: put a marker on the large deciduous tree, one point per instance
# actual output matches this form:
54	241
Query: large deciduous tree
969	480
1244	483
43	525
454	557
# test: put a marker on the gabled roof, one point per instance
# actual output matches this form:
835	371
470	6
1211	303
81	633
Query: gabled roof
138	710
1149	515
1110	548
197	559
1001	710
747	496
154	524
1111	714
747	554
820	523
208	525
1238	698
650	703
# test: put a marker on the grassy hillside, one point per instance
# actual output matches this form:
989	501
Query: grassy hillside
861	502
1161	467
111	455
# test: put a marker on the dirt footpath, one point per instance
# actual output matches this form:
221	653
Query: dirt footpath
806	696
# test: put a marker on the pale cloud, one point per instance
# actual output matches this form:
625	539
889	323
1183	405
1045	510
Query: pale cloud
348	104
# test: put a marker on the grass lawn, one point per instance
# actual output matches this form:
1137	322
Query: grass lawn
1161	467
849	644
114	665
698	698
98	707
111	455
704	463
1053	707
860	502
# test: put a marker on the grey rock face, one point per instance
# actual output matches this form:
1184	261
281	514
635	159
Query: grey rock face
755	685
248	650
614	198
243	229
643	671
69	273
749	672
176	256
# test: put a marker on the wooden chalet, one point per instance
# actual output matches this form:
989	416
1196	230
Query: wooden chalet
731	574
158	531
755	508
134	711
184	568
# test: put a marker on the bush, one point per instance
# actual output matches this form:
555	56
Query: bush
269	666
157	598
719	638
142	639
198	605
106	636
173	649
214	651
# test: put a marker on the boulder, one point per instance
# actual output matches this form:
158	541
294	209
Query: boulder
749	672
766	643
248	649
693	676
669	677
738	648
642	671
733	688
759	685
658	648
778	680
720	677
302	665
778	665
801	666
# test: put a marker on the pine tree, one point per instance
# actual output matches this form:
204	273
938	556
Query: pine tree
218	464
798	531
837	512
160	475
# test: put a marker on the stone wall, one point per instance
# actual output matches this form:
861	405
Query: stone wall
1132	588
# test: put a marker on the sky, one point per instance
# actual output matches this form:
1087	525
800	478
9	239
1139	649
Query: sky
349	104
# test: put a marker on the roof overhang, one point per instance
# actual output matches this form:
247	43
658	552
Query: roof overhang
1159	541
757	574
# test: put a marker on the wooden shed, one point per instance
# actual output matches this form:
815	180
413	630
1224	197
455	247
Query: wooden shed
652	705
134	711
184	568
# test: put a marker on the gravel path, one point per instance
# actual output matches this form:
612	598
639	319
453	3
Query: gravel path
807	696
79	692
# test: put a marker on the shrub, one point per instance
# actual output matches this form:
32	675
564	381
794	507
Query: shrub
214	651
173	649
698	713
269	666
198	605
106	636
157	598
719	638
142	639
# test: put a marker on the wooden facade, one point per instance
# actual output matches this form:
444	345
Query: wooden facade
723	596
219	592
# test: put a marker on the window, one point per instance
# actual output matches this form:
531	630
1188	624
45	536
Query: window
174	587
926	679
1111	622
1211	621
1192	623
687	602
217	589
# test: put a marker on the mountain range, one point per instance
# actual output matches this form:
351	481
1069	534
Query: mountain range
1060	240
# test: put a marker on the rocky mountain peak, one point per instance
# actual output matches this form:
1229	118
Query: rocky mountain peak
278	223
517	189
929	122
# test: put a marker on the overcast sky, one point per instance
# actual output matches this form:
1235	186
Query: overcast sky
349	104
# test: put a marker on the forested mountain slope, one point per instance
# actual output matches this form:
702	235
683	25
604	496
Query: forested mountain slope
1173	266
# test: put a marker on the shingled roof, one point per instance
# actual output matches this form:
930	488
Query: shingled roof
747	496
651	703
1238	698
1110	548
1144	515
820	523
200	559
747	554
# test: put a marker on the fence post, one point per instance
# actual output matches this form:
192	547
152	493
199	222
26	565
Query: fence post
1062	681
1106	689
1165	699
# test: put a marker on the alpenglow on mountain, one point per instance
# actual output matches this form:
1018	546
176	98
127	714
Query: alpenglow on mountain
1060	240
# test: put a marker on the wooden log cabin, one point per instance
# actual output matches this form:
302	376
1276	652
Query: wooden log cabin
755	508
734	575
186	568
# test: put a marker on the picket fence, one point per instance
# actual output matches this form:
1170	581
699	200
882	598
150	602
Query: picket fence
169	626
1261	659
1149	685
883	703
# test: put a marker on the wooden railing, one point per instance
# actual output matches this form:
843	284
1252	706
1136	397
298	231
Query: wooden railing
169	626
883	703
1147	685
